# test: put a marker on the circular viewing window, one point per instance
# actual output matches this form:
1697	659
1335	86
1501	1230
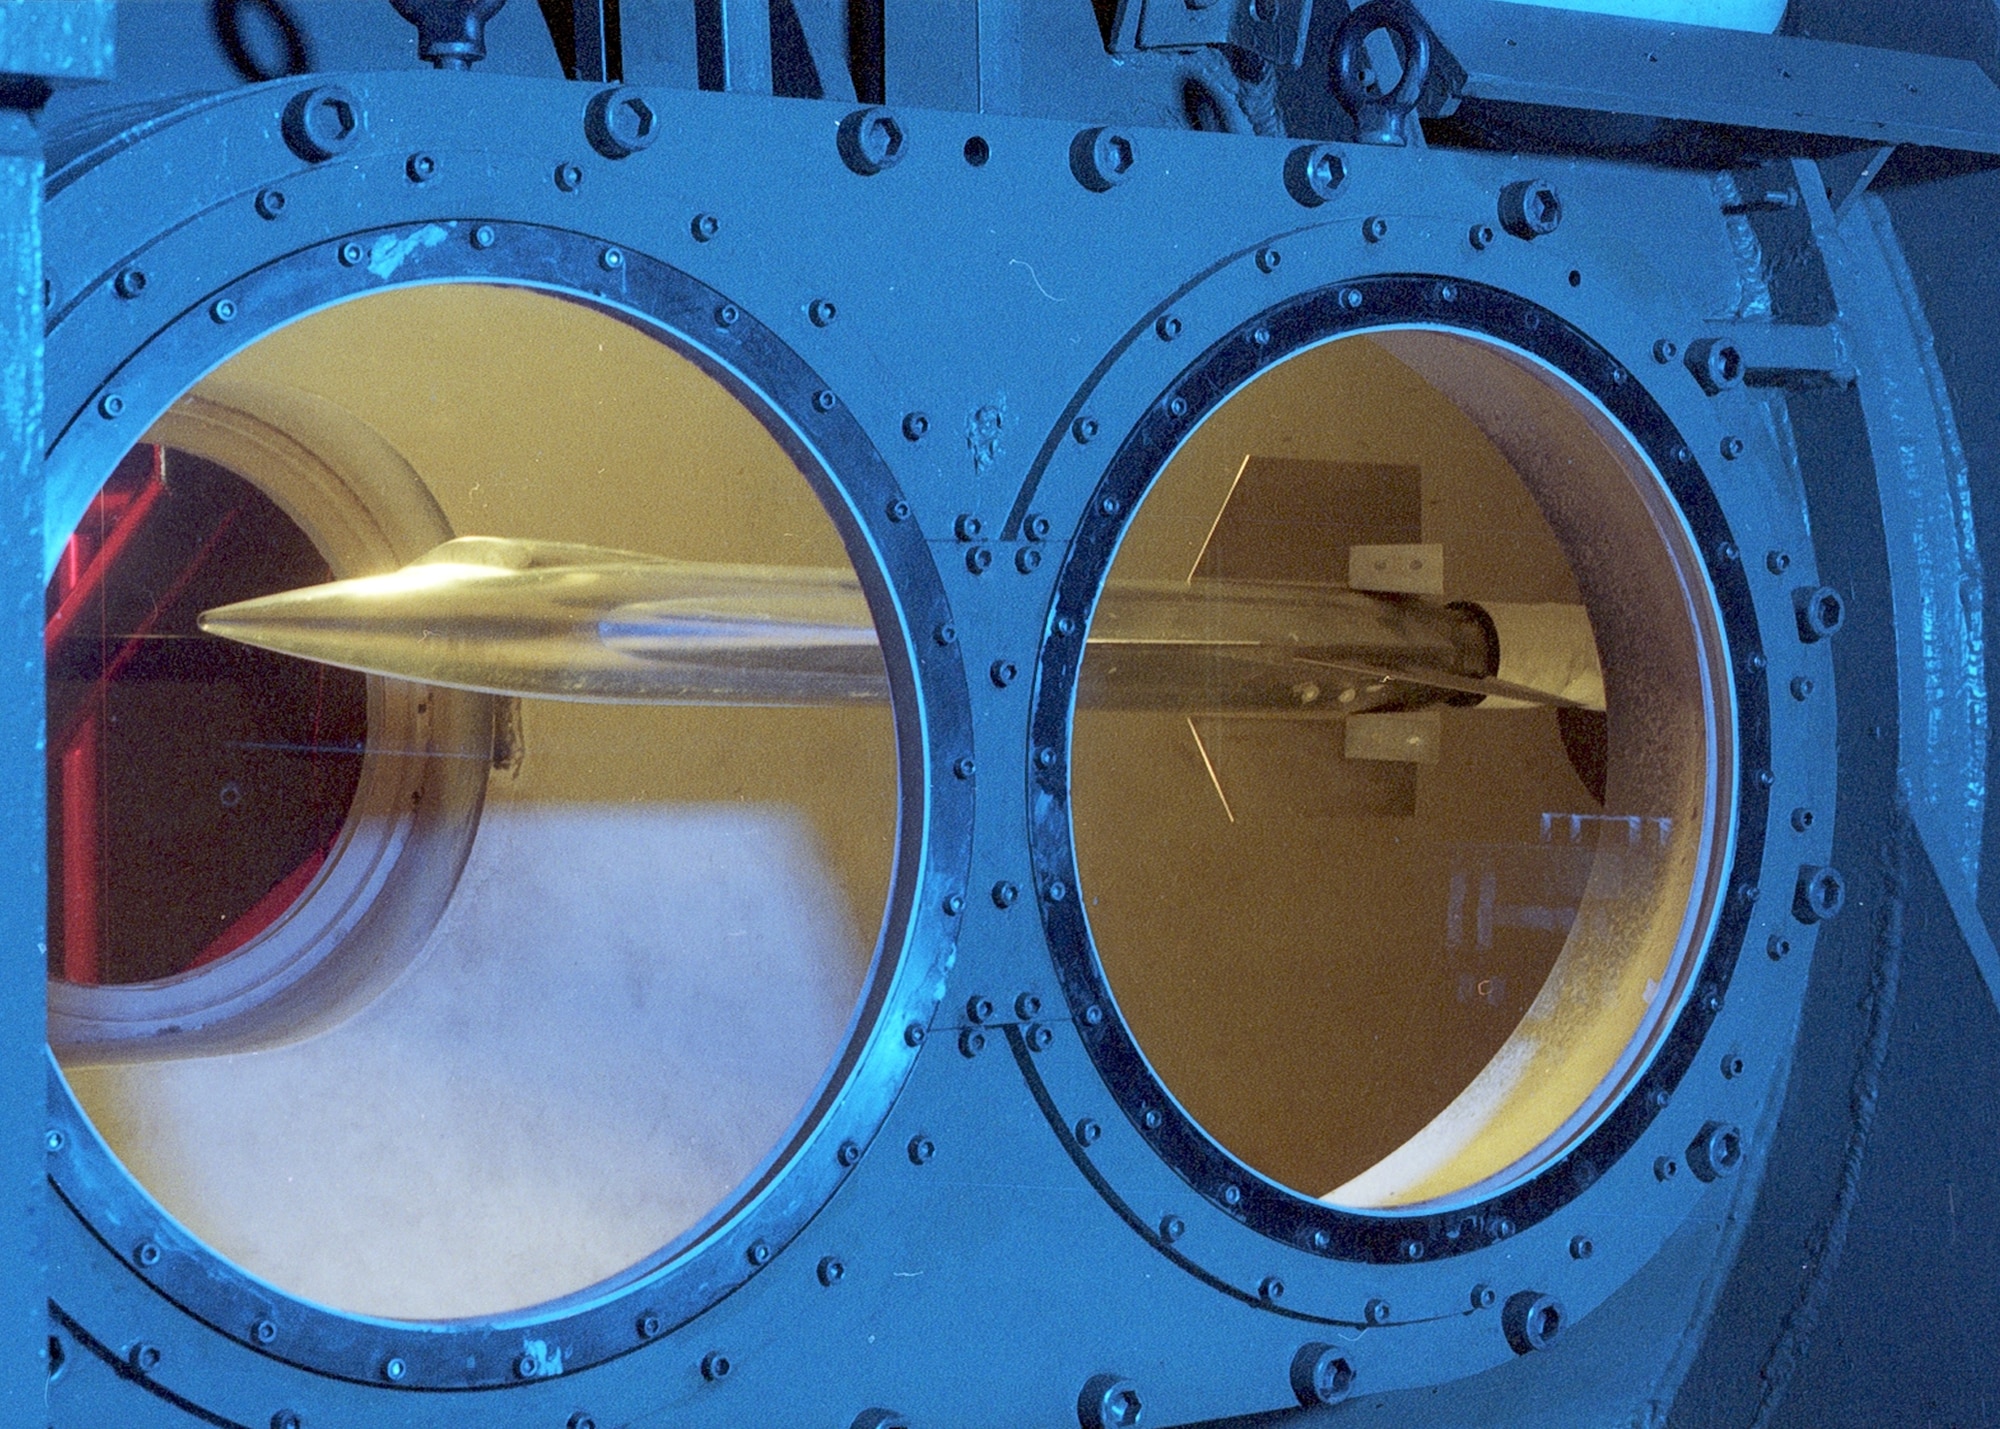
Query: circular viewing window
474	797
1400	769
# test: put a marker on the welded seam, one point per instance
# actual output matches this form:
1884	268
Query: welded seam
1796	1329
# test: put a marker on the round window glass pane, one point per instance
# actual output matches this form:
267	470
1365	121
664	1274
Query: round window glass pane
485	842
1398	769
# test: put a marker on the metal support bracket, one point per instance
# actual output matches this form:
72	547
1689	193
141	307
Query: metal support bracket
1274	29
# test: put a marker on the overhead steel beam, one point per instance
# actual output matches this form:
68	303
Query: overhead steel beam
1512	54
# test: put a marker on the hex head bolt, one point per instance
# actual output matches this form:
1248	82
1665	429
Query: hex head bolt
1102	158
1321	1374
1821	893
1716	365
1530	208
1821	612
871	140
619	122
1314	174
1109	1401
1531	1320
1716	1149
322	122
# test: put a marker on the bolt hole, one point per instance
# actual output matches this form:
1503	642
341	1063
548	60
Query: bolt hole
1575	278
977	151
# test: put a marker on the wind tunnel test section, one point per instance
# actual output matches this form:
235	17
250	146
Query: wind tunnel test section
939	714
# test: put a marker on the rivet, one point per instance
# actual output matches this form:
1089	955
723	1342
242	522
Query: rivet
289	1419
1777	562
263	1332
611	259
526	1366
394	1369
1413	1250
1748	892
1581	1247
848	1154
1374	228
898	510
1271	1288
715	1365
1045	758
1801	687
1004	894
1177	405
915	424
1757	662
569	178
1481	236
1665	1168
223	310
1093	1015
830	1271
913	1035
580	1420
979	560
1376	1312
1660	1098
1168	327
1065	626
971	1042
110	405
1483	1297
1682	455
954	904
1666	350
704	226
483	236
420	167
1350	298
148	1253
1040	1037
1027	1005
1151	1118
1232	1194
945	634
1732	1066
1321	1241
821	312
823	400
271	203
1084	429
1268	260
1002	673
351	253
130	282
1110	506
145	1357
1027	560
727	314
1447	292
963	766
1087	1132
1732	448
55	1140
649	1325
758	1253
1172	1228
1765	778
1261	336
1057	890
921	1150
